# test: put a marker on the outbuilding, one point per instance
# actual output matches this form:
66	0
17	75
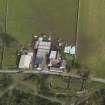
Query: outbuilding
25	61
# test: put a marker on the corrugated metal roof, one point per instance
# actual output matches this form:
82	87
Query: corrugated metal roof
42	52
70	50
44	47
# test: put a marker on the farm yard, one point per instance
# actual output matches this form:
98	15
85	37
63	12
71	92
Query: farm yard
35	17
60	18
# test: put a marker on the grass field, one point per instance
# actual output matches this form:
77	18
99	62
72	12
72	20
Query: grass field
91	48
27	17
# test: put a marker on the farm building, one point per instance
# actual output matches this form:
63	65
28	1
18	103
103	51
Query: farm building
25	61
70	50
42	49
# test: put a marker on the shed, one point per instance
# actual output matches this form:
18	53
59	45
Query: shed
67	49
73	50
25	61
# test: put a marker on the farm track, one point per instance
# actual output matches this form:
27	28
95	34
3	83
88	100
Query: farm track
99	80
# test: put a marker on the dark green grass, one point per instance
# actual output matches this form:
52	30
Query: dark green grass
91	48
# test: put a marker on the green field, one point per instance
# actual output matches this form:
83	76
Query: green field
91	48
27	17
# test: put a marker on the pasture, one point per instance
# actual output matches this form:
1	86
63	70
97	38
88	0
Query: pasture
27	17
91	42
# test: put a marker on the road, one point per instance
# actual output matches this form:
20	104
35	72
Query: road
100	80
45	72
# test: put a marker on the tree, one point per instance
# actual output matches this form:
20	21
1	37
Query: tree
84	73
